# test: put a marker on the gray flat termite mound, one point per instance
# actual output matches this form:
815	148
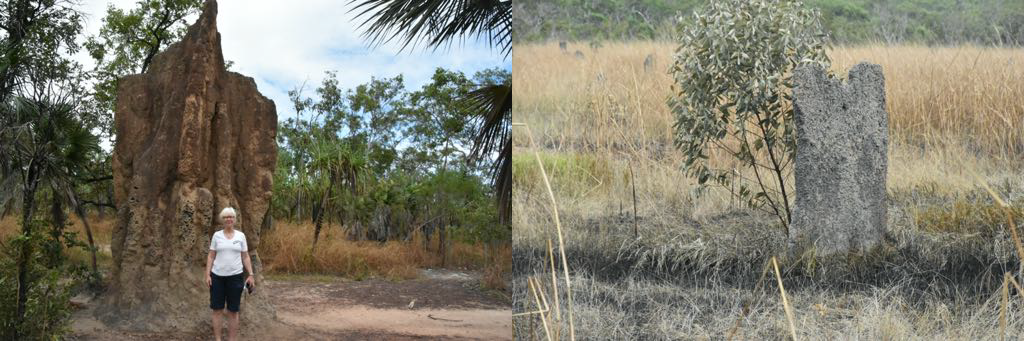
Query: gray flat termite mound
842	141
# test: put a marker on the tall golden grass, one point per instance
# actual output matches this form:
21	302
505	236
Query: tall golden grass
953	111
934	95
286	250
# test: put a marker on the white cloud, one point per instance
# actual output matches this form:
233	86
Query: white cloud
282	44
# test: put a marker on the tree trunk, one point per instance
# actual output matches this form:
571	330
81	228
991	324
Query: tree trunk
88	234
297	209
80	211
318	217
28	199
57	232
441	250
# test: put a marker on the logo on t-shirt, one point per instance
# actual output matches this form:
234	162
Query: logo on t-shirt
239	242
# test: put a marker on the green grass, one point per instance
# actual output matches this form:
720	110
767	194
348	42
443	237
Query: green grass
571	174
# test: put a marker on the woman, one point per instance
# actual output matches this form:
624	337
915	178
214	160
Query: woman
229	252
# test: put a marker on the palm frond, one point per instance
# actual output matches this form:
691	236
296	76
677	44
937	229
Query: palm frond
493	103
436	23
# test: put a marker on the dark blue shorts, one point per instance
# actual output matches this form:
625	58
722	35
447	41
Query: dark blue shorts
226	288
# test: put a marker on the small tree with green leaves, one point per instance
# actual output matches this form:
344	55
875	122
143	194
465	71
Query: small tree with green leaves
128	41
732	96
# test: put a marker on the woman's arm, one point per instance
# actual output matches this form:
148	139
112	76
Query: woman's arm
247	263
209	266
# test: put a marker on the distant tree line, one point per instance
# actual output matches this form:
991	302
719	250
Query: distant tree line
384	161
989	22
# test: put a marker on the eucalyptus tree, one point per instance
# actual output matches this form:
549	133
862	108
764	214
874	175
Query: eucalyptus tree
128	41
732	96
34	33
436	24
439	120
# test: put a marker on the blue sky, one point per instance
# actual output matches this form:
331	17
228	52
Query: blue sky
283	44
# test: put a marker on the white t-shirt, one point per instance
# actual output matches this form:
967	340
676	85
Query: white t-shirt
229	253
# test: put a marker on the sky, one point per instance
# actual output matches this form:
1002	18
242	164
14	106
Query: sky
285	44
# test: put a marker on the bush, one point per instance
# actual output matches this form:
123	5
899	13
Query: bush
732	85
47	310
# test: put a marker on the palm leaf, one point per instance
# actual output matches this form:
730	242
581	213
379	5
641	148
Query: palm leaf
494	105
437	23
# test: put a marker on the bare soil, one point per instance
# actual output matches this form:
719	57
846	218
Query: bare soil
445	305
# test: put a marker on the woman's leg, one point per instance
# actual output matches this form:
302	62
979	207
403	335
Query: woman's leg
216	323
217	300
233	287
232	325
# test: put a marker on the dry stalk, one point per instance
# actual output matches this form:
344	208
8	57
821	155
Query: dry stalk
785	302
1006	302
632	181
554	280
554	289
1009	218
536	297
558	226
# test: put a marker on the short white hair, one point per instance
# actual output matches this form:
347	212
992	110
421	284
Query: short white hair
227	211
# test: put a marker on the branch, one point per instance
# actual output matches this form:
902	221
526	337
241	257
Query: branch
763	190
159	40
777	170
97	179
98	204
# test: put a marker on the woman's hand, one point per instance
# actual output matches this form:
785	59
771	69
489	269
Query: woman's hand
209	281
249	280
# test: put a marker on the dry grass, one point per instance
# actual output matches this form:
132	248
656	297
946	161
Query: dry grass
285	250
953	112
956	114
935	95
102	228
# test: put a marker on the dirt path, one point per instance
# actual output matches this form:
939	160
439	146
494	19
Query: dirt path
446	305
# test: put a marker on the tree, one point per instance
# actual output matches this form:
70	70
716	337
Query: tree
493	101
439	120
35	32
436	23
128	41
732	96
45	137
373	156
43	143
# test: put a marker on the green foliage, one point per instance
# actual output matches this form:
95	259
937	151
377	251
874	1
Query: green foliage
128	41
732	84
572	174
46	141
383	160
35	40
47	313
438	23
466	198
491	105
850	21
597	20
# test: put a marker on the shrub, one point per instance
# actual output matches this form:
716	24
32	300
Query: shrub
47	310
731	95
